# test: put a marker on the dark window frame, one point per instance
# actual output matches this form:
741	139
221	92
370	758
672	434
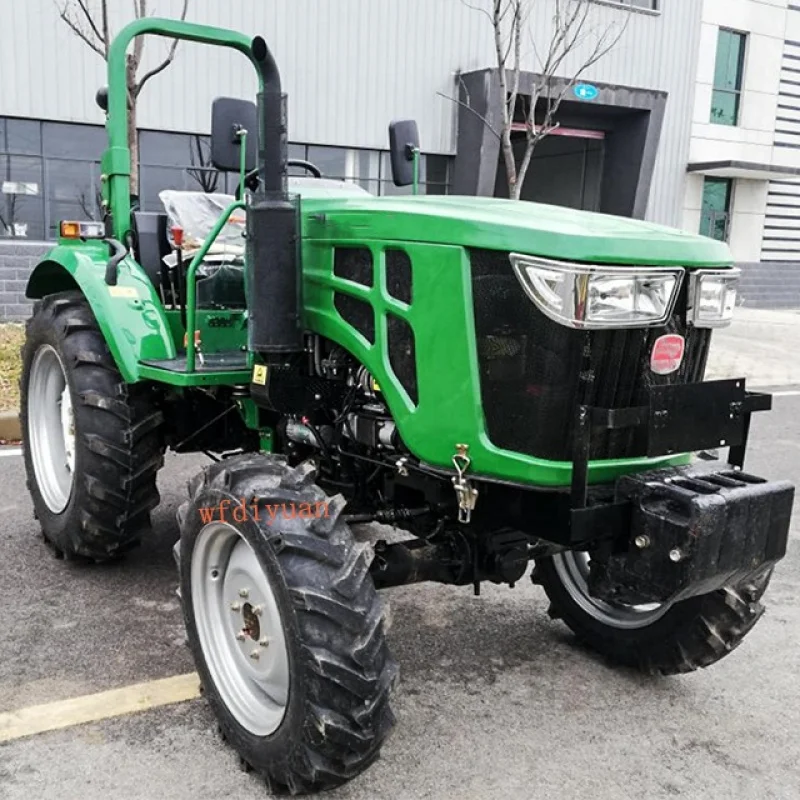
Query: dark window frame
646	6
738	81
709	220
70	140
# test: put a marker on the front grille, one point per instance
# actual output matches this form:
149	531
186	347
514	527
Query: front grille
530	368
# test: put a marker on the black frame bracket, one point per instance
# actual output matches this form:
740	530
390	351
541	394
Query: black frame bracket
678	419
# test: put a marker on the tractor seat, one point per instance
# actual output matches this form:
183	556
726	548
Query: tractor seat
150	243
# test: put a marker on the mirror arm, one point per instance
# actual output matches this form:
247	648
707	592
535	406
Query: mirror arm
241	134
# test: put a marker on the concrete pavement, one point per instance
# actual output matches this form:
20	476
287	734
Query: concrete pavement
495	699
763	346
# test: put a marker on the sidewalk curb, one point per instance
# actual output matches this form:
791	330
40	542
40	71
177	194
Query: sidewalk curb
10	429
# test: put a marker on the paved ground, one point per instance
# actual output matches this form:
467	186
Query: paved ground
762	345
495	701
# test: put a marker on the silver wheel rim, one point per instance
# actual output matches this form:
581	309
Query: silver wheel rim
573	570
240	628
51	428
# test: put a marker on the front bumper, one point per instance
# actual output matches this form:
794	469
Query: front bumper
678	532
692	531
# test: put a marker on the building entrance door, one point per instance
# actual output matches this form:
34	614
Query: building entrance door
566	169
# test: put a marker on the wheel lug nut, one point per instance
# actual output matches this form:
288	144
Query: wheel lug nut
675	555
243	592
255	655
236	606
264	641
240	636
642	541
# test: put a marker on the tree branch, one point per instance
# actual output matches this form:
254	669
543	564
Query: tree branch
572	35
478	9
569	34
76	28
106	31
471	110
89	19
166	62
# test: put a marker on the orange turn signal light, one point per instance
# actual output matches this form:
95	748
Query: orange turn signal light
82	230
70	230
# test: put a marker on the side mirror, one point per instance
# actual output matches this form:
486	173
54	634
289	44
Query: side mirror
228	116
403	142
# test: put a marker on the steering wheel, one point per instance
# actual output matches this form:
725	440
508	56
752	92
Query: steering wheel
306	165
251	179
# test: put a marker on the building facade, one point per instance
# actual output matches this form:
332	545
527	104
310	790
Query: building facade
349	67
743	173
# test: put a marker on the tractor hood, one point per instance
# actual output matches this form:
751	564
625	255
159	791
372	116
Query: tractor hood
491	223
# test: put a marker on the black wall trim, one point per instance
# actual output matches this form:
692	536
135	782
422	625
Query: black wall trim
634	116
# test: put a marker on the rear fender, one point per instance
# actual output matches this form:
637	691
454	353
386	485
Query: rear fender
130	314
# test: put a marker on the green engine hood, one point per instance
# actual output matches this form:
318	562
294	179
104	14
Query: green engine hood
491	223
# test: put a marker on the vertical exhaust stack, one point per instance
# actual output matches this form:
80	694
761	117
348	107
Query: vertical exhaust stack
273	256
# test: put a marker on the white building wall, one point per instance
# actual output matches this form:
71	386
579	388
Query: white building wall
781	240
349	67
761	137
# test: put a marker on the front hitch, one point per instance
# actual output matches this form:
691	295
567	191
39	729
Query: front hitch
674	533
692	531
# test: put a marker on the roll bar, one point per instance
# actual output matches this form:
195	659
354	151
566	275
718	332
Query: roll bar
116	162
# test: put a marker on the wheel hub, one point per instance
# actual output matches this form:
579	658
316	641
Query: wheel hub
251	628
240	628
51	432
68	428
573	570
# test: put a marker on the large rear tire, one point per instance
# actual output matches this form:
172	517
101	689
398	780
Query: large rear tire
92	443
284	623
664	639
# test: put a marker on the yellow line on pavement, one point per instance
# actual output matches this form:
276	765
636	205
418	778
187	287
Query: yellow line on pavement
93	707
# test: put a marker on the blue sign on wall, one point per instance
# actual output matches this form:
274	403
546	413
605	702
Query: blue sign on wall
585	91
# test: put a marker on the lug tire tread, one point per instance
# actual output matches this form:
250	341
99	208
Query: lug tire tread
694	634
118	439
349	673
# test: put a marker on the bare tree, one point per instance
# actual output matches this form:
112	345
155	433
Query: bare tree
90	202
7	219
573	37
202	170
91	26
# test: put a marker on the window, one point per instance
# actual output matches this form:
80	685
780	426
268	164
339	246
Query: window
72	191
21	201
50	171
647	5
727	94
715	220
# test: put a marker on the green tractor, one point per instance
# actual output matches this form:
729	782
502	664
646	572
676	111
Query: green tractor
504	382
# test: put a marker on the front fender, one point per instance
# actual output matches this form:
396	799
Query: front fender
130	314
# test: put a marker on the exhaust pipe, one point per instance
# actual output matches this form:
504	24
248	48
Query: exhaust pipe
273	256
272	111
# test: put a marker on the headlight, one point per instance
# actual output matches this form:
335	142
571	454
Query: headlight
587	296
712	297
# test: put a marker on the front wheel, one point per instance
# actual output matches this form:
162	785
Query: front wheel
284	623
662	638
92	443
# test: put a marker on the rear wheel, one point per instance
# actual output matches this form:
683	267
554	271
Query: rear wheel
92	443
664	638
284	623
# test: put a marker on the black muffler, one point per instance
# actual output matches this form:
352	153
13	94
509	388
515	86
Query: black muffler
273	254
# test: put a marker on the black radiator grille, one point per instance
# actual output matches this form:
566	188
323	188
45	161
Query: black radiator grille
530	368
402	354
